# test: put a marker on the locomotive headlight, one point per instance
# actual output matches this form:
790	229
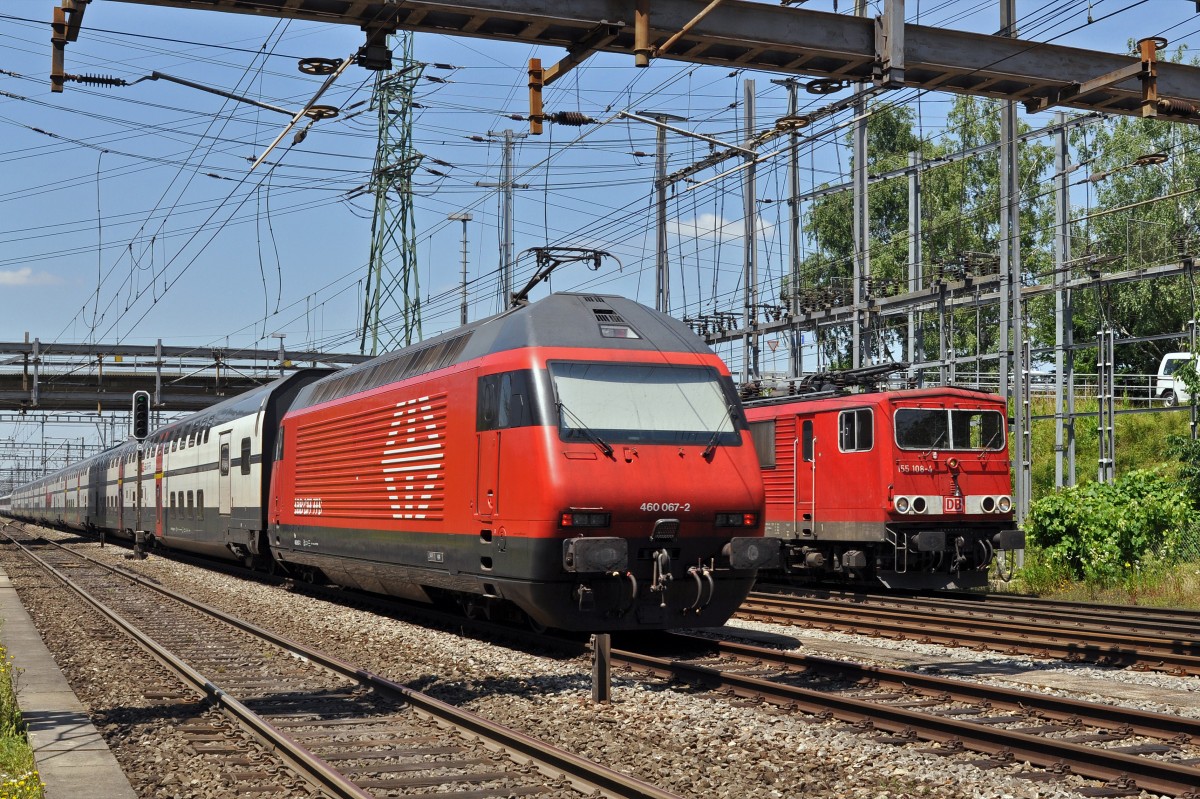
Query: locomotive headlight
1004	504
919	505
988	504
736	520
902	505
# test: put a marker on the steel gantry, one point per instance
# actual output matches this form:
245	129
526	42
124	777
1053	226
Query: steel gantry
49	377
751	35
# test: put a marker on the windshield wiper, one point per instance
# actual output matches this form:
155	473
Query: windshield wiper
604	446
712	442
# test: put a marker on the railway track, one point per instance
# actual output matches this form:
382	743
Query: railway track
1158	641
344	730
1161	621
1127	750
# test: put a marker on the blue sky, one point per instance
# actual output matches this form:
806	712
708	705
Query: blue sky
128	214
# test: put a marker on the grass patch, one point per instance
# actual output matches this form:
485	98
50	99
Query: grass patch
1151	584
18	778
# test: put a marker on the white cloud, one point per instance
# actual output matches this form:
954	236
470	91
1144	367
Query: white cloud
711	226
26	277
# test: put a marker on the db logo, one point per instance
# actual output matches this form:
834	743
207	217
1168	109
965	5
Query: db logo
952	504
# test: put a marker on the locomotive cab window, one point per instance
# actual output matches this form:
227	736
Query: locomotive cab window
635	403
763	435
855	431
956	429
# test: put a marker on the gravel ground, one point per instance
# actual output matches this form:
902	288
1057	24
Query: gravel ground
683	741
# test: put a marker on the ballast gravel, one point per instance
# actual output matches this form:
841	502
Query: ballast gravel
683	740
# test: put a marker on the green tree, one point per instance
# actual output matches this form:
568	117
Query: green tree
1122	231
960	223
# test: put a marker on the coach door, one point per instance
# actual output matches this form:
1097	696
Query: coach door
121	493
225	490
158	489
805	465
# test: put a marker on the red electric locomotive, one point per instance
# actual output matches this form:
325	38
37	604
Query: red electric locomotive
583	459
904	489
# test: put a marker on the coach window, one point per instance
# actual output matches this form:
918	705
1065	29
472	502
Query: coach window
763	436
224	458
246	455
807	441
854	430
191	507
205	435
199	504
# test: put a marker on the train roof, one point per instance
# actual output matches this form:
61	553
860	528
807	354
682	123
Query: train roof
559	320
236	407
876	396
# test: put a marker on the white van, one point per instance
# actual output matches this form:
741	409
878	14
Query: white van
1166	387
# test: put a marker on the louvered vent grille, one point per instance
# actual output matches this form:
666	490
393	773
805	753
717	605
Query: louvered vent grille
388	462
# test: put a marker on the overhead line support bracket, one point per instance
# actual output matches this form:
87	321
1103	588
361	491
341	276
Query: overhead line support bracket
63	28
889	46
1145	70
597	38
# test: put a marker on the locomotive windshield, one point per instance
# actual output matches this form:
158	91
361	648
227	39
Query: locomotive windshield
942	428
644	403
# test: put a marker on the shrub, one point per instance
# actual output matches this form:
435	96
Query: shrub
1105	532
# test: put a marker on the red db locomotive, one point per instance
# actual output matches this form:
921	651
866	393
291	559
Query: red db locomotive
903	489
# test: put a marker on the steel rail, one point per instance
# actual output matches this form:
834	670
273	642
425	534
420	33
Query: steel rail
1101	764
1180	729
1159	619
583	774
303	761
1176	655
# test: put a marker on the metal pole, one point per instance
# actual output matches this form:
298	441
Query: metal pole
662	275
916	348
1010	269
506	247
795	337
861	218
1064	423
507	187
1192	349
662	279
464	217
1008	117
602	667
750	276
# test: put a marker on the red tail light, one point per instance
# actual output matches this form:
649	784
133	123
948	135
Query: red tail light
585	519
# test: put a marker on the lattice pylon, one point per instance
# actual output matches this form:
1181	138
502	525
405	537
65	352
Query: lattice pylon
392	316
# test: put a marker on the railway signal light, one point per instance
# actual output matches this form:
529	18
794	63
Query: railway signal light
141	415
